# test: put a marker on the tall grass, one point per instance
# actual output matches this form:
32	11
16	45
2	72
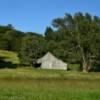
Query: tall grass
29	84
49	90
30	73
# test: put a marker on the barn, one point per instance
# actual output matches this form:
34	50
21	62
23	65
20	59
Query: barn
49	61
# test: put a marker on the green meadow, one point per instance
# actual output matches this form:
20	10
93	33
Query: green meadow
26	83
29	84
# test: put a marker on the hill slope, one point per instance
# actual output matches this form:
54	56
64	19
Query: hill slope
8	58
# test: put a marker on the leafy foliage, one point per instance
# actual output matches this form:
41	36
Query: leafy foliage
74	38
31	48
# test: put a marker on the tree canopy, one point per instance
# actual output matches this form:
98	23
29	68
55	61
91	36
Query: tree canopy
72	38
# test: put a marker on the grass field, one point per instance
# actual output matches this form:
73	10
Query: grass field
9	56
29	84
36	84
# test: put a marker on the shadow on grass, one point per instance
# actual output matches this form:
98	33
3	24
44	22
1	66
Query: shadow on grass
5	64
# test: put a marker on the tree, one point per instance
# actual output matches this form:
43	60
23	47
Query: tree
10	38
49	34
13	40
83	35
3	42
31	48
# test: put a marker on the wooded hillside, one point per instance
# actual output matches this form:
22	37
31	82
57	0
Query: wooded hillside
74	38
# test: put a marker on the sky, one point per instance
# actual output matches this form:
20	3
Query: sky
36	15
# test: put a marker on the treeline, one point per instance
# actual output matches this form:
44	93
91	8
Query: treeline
74	38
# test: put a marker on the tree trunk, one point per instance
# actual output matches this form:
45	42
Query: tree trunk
84	66
89	65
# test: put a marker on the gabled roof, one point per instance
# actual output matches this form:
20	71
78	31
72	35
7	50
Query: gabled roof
49	55
46	57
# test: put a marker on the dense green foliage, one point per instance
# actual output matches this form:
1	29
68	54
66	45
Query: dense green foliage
31	48
10	38
83	37
74	39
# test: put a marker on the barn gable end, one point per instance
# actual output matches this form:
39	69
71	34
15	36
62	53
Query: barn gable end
49	61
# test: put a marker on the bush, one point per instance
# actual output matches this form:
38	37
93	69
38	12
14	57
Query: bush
74	67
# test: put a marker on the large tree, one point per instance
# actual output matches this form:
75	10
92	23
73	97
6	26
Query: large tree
83	36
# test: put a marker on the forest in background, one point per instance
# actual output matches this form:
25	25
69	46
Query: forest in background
75	39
